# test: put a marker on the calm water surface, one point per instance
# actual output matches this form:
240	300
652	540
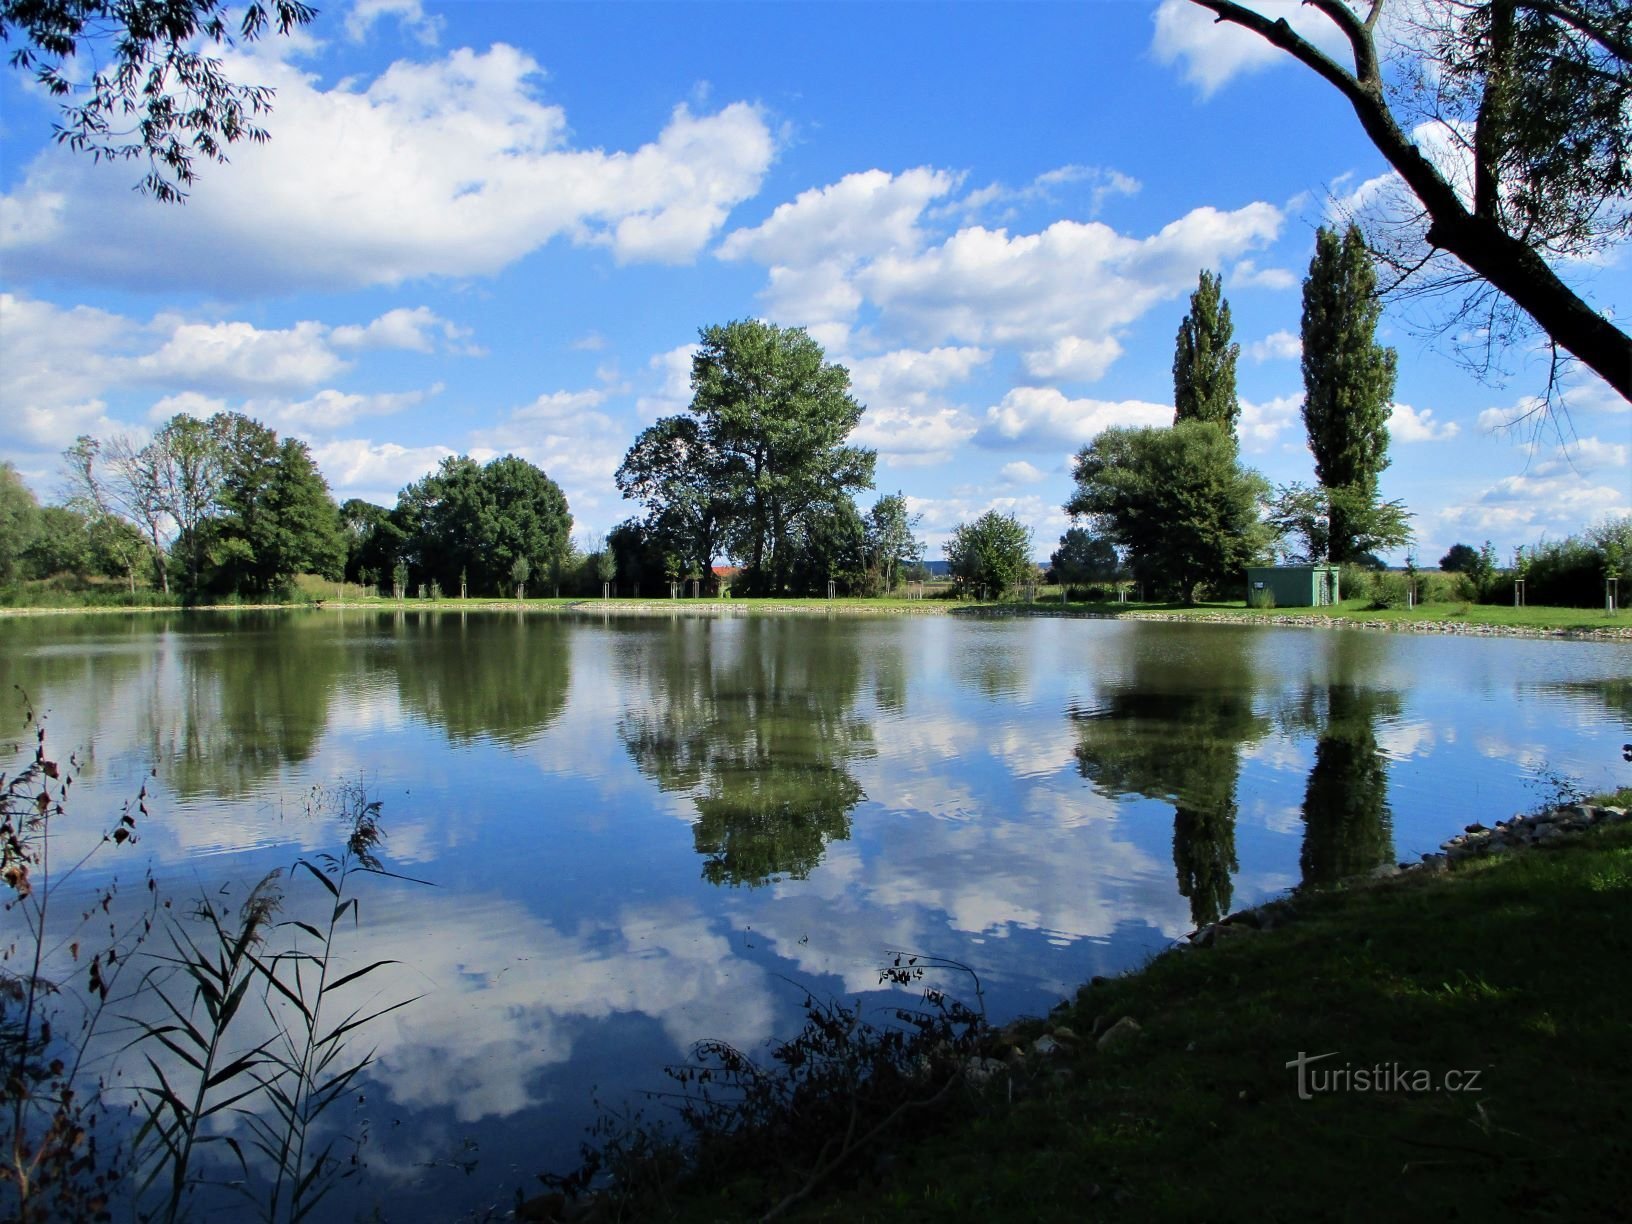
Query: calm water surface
644	832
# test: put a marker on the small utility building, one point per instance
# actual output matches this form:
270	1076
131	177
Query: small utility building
1292	586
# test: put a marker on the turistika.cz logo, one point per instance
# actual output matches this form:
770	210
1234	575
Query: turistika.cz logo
1376	1077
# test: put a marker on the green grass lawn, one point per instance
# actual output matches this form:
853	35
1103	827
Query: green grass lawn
1507	972
1575	619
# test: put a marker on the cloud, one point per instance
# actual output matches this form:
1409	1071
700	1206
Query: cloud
1073	279
1277	346
861	216
1248	275
673	394
1003	202
56	366
1408	424
61	367
907	420
1212	53
409	14
576	444
1022	473
450	167
239	357
1583	456
1043	418
1072	357
1528	507
360	467
1262	424
330	410
402	328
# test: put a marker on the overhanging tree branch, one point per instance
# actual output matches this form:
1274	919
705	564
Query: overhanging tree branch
1477	237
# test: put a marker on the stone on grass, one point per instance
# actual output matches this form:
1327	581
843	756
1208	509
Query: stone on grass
1120	1033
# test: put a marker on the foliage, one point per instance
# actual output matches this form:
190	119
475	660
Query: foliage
1386	590
990	555
678	473
281	1085
1348	382
1083	557
762	457
1176	500
777	1132
1459	559
891	543
1204	358
1570	573
51	1158
1305	514
373	541
770	777
275	518
154	90
476	520
1532	96
18	514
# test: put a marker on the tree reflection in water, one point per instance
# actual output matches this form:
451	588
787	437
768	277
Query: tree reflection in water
755	721
1173	729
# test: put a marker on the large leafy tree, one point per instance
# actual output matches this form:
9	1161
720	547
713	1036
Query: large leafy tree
677	473
774	416
1204	357
275	516
1084	557
1348	383
1176	500
466	518
138	78
19	518
993	552
1532	96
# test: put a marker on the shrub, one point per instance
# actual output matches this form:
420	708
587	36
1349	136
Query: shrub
1385	590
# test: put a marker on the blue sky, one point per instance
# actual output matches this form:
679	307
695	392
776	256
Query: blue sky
497	227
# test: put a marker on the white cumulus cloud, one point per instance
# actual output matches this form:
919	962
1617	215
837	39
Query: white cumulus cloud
1408	424
1043	418
448	167
1277	346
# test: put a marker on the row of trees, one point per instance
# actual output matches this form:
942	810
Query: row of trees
760	469
483	529
210	506
224	506
1179	504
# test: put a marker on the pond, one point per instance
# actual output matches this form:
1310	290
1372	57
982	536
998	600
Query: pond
638	832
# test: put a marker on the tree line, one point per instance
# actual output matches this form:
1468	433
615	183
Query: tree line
760	469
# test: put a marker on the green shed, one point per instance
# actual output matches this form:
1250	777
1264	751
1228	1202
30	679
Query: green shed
1292	586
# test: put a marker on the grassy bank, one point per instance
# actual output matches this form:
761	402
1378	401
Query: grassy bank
1473	618
1502	977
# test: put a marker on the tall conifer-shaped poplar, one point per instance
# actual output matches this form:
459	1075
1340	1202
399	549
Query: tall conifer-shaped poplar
1348	381
1204	360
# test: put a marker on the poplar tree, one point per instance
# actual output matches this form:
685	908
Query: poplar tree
1204	359
1348	381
